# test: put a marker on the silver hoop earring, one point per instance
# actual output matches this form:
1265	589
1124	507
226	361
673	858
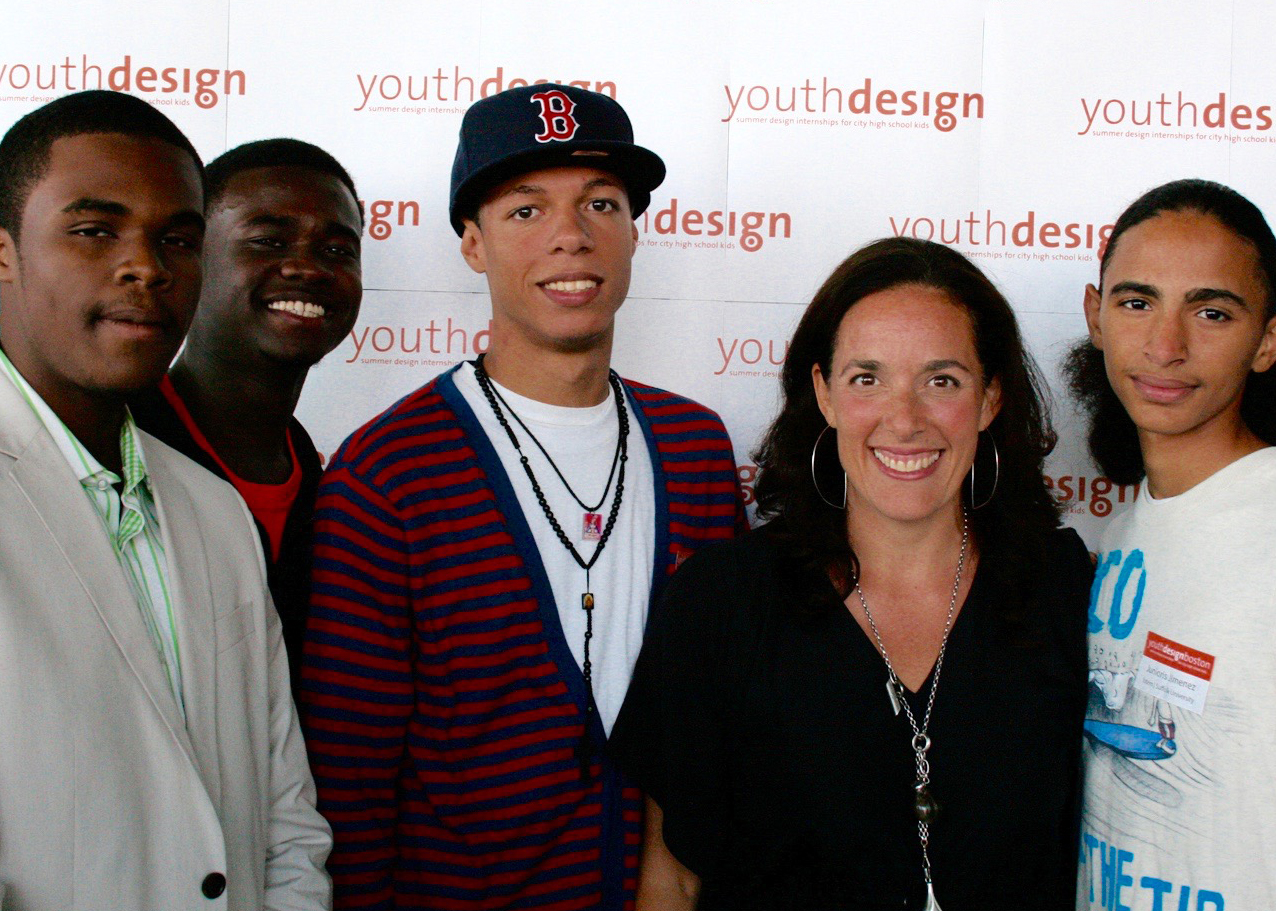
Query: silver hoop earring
996	474
816	483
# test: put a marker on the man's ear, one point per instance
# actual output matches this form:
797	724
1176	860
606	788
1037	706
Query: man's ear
472	246
1266	348
1093	299
8	257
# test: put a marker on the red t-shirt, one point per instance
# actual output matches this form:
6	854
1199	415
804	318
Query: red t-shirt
269	503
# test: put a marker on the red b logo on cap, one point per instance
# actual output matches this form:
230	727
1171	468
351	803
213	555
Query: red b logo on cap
556	114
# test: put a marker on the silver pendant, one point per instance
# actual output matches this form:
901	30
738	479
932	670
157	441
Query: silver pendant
893	694
931	904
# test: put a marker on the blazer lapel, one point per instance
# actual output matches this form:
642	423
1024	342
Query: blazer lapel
59	505
191	585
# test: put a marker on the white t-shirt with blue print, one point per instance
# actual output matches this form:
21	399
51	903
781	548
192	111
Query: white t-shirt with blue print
1180	742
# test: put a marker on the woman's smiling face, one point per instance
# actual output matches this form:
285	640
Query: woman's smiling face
907	398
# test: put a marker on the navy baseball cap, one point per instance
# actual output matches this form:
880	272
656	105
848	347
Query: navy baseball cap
546	126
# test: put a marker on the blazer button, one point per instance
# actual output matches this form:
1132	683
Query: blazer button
214	885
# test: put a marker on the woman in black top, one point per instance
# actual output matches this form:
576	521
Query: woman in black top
875	701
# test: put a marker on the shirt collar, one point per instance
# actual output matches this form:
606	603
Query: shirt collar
87	469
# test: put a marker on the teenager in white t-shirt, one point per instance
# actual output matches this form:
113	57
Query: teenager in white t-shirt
1179	811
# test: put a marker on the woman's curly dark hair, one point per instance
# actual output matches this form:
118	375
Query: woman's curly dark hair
1113	438
1022	511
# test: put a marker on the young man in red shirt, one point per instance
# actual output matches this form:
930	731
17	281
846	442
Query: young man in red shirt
282	289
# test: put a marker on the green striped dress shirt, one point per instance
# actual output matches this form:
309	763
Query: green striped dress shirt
129	519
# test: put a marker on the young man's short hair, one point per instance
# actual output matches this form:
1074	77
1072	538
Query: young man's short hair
25	149
271	153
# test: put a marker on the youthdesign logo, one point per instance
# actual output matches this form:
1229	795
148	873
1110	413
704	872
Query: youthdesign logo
881	107
1167	117
384	215
434	344
751	356
1079	494
448	93
991	237
687	228
748	475
206	87
676	225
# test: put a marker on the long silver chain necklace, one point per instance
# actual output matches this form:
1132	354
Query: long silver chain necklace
924	805
585	748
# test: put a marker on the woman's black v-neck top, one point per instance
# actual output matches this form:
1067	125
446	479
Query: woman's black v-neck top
763	729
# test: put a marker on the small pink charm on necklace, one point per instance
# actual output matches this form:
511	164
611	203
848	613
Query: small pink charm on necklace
591	528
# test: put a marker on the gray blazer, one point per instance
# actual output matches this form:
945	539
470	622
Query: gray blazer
107	799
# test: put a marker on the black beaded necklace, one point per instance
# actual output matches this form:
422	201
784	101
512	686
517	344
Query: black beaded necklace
584	747
611	475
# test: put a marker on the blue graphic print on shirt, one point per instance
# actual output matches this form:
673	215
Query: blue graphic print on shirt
1118	628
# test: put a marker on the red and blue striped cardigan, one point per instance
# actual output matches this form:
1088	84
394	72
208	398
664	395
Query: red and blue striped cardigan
442	701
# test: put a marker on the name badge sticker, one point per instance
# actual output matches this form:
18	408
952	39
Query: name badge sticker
1176	673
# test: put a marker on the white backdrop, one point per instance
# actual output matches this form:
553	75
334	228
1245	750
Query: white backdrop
1015	131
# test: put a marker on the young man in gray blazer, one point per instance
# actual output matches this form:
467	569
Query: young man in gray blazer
149	750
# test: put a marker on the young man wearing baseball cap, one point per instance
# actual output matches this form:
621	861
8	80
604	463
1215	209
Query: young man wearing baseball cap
487	549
